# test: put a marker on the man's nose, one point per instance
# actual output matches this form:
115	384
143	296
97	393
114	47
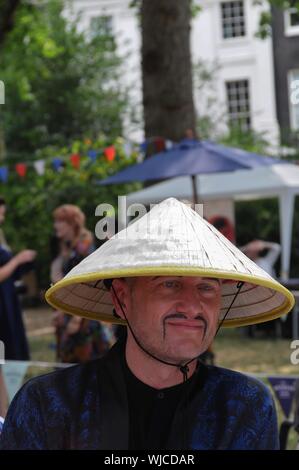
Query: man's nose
188	302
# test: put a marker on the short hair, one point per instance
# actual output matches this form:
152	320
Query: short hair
2	201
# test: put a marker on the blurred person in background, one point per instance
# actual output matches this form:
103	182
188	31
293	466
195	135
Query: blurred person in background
3	398
12	331
77	339
264	254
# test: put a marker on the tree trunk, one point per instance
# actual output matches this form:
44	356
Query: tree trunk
7	12
166	69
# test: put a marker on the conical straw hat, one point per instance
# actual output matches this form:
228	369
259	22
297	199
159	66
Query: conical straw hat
171	239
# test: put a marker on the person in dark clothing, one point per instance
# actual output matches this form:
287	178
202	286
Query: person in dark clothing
173	280
12	331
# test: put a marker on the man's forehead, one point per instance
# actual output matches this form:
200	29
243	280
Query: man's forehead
195	278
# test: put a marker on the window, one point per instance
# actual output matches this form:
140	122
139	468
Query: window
291	20
238	104
294	17
101	26
294	99
233	19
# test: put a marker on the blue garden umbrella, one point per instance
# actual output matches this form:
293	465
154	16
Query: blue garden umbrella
190	157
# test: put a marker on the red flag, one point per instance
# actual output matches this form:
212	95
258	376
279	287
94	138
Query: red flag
109	153
160	144
75	160
21	169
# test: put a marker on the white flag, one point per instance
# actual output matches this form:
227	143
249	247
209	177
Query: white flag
39	166
128	148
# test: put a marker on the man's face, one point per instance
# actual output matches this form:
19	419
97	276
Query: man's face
174	318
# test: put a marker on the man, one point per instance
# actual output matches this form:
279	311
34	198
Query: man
173	279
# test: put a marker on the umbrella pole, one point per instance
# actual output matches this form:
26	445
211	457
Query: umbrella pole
194	187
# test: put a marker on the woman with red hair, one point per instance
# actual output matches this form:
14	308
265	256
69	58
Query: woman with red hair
78	340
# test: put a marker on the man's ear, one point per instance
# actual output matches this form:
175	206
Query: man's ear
119	293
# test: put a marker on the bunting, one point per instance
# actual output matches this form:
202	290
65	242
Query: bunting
75	160
110	154
21	169
39	167
3	174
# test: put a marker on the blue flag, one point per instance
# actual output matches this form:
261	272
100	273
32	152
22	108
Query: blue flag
284	389
3	174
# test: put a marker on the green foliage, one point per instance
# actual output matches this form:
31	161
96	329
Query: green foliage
31	200
60	83
264	30
210	113
265	21
251	140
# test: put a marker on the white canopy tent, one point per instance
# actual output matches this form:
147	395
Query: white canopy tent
280	181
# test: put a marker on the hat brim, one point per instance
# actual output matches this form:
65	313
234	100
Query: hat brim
259	300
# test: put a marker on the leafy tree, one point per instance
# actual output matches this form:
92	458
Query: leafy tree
60	83
7	12
32	199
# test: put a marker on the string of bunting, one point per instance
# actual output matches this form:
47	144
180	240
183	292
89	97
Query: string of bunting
154	145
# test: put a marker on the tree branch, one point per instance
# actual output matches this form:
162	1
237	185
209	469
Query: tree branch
7	12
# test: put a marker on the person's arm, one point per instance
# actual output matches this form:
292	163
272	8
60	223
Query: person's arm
8	269
3	396
12	265
24	426
273	253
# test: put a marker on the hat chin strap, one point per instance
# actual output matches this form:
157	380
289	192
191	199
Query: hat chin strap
184	369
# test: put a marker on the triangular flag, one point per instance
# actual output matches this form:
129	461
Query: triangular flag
143	146
14	373
160	144
39	166
21	169
128	149
168	144
109	153
57	163
3	174
284	389
75	160
92	154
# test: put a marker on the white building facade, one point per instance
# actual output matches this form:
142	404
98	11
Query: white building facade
223	33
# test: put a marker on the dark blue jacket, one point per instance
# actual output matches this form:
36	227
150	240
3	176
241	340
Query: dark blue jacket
85	407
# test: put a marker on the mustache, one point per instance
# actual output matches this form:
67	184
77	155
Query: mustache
183	316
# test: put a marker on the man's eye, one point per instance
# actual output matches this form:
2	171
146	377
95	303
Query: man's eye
170	284
207	287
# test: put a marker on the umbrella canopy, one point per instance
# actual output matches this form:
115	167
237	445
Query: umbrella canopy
190	157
